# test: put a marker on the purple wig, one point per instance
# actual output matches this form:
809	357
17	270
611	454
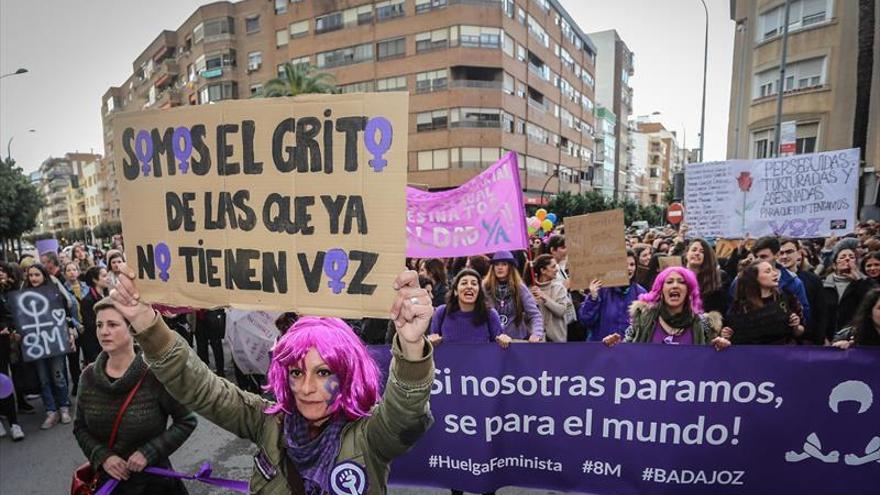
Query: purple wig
345	355
690	280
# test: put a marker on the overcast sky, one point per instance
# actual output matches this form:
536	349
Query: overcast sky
76	49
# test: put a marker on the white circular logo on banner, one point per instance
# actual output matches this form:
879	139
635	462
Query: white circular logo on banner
348	478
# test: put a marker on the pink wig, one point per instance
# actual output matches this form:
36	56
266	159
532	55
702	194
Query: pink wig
345	355
690	280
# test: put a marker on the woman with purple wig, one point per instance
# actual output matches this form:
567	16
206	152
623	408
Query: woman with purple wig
328	431
672	313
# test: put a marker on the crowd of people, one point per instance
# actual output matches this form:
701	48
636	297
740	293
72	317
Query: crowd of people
681	291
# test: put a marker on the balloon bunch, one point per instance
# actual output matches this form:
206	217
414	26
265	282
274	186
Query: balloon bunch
541	223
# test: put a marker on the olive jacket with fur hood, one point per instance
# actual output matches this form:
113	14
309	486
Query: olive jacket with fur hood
643	320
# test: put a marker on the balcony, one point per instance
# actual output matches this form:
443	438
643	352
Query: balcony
168	98
166	72
476	77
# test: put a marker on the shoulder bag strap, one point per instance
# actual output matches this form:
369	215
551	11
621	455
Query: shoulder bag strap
122	410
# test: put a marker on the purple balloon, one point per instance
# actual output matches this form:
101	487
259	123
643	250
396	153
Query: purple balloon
336	266
163	260
182	153
378	148
143	148
5	386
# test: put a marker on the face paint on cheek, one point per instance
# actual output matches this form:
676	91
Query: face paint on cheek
332	388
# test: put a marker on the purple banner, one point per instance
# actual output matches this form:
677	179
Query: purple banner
46	245
483	215
650	419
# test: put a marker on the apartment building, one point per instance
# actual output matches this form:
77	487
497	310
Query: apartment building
605	171
655	151
819	92
485	76
58	181
615	65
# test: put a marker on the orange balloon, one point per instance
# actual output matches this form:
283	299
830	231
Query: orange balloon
541	214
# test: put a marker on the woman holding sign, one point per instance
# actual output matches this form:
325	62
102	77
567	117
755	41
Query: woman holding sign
672	313
328	432
51	370
605	309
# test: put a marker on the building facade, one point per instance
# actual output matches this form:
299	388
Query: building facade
615	65
605	170
656	151
484	76
820	87
60	180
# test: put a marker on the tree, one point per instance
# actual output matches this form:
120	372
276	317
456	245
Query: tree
669	193
296	80
20	202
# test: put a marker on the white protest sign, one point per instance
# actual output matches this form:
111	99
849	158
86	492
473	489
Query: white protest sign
251	335
798	196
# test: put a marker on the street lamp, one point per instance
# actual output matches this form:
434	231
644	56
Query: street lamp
22	70
9	143
705	63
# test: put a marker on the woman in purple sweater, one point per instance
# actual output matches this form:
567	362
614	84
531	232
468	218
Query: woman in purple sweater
606	309
508	294
465	318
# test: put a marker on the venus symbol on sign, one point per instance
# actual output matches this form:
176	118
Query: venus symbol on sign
143	148
35	305
182	151
336	266
163	260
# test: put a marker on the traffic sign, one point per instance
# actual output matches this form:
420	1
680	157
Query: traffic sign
675	213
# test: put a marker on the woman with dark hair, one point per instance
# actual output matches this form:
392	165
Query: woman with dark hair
643	253
700	259
115	259
871	266
328	416
652	270
479	263
508	294
865	330
466	317
672	313
435	269
51	370
81	258
98	280
605	309
10	279
551	296
761	313
77	290
144	437
843	289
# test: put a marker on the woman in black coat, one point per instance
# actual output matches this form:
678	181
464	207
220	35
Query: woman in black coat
843	290
98	280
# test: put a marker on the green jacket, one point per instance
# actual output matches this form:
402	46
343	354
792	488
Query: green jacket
643	319
372	442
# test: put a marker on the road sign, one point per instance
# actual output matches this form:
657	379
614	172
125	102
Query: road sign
675	213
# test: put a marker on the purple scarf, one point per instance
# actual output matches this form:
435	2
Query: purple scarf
314	459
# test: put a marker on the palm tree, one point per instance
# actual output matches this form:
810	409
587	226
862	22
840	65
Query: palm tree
298	79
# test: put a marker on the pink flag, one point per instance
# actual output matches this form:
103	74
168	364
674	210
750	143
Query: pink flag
483	215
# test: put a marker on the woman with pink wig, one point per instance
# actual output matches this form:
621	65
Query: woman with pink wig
672	313
328	431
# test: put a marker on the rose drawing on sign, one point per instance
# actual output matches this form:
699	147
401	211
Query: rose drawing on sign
745	185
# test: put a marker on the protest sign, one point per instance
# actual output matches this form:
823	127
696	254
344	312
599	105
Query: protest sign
801	196
47	245
267	204
596	249
611	421
667	261
41	319
251	335
483	215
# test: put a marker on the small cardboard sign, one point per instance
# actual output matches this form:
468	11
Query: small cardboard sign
596	249
41	319
667	261
277	204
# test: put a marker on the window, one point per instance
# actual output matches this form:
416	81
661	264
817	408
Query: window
432	40
358	87
520	53
423	6
807	133
255	60
507	84
521	15
214	61
298	29
256	89
281	38
480	37
346	56
431	81
221	28
802	13
474	157
509	8
433	160
329	22
508	46
215	92
803	74
536	166
391	48
762	144
198	33
389	9
391	84
300	62
538	32
654	172
431	121
252	24
280	6
475	117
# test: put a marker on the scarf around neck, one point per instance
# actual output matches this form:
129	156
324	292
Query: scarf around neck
685	319
313	458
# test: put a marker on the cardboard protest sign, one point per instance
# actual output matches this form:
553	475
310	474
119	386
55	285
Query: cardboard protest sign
286	204
41	319
801	196
483	215
251	335
667	261
596	249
